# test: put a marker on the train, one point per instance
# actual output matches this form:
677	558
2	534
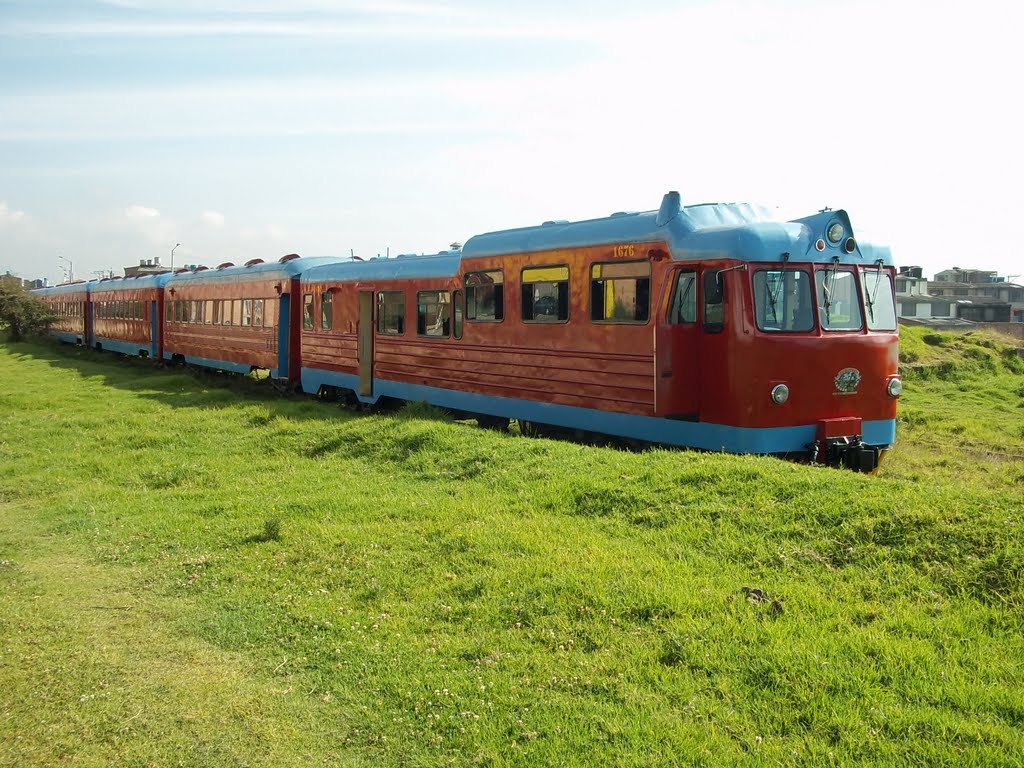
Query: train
713	326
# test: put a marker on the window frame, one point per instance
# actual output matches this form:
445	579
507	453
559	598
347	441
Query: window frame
568	292
590	292
694	285
436	292
858	301
326	310
308	311
466	287
382	301
808	272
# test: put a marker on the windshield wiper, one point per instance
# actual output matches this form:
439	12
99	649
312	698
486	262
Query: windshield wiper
830	289
874	293
773	297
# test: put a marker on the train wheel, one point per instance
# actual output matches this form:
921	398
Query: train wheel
528	429
496	423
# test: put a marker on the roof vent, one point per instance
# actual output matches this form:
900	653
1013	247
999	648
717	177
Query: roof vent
253	262
289	257
554	222
225	265
200	268
670	208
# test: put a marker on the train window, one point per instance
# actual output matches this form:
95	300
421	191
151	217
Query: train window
433	313
878	300
545	294
270	313
257	313
208	312
782	301
838	302
485	296
620	292
683	307
458	311
391	312
307	311
193	311
326	310
236	312
246	312
714	301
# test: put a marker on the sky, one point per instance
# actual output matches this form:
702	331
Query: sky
255	128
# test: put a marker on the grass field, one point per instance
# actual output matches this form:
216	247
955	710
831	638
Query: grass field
196	572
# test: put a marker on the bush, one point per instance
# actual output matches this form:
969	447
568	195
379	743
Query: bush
22	313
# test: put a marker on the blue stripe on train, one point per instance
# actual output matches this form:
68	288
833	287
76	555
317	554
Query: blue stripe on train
224	365
711	437
67	338
124	347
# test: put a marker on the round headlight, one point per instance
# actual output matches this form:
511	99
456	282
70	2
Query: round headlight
780	394
894	387
819	244
850	245
835	232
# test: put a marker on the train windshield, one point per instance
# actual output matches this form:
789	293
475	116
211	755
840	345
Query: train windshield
839	305
878	300
782	300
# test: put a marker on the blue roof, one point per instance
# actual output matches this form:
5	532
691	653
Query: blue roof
444	264
264	271
66	288
712	230
129	283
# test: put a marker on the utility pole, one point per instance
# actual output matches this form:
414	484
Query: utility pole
70	267
172	255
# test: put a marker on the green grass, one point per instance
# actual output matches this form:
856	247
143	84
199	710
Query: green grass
194	571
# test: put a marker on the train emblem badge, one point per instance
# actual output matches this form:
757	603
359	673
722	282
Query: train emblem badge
847	381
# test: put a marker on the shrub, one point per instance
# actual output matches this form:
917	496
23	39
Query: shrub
22	312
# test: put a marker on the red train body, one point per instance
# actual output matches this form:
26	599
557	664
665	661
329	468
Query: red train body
708	326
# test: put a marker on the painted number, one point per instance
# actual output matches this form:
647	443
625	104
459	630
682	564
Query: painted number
624	251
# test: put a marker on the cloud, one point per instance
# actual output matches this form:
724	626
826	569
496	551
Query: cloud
212	218
141	212
7	216
376	7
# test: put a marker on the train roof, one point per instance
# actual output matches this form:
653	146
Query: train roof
407	266
252	271
129	283
709	230
80	286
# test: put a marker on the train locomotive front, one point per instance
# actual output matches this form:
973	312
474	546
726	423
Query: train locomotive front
792	338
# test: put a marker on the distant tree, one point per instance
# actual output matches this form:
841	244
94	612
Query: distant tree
21	312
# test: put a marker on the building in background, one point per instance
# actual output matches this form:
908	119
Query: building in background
980	295
146	267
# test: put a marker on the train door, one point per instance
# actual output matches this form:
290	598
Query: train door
284	325
676	350
365	343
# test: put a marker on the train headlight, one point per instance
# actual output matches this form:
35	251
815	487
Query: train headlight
835	232
780	394
894	387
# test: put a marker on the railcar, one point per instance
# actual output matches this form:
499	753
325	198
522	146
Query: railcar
237	318
708	326
70	304
125	315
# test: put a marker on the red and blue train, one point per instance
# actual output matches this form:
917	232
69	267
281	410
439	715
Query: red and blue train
706	326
